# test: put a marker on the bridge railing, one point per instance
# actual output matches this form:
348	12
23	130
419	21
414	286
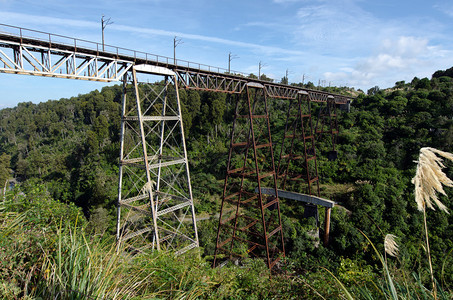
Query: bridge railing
24	33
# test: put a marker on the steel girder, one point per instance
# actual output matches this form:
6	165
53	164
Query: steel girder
233	84
155	202
199	80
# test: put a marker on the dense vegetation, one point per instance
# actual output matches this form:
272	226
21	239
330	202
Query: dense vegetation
65	155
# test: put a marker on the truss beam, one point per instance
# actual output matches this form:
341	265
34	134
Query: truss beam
298	167
51	60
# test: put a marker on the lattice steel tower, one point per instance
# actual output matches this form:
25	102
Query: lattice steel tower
297	167
250	222
155	203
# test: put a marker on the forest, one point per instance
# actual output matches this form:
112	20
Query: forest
57	225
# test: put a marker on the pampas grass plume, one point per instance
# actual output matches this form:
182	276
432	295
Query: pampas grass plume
390	245
429	178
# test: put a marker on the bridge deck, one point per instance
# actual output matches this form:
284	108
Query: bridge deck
311	199
87	60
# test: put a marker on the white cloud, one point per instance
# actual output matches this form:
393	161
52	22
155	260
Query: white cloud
264	49
18	18
361	48
346	26
333	24
407	46
397	59
33	19
445	7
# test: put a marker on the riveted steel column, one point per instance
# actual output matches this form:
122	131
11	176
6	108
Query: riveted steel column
145	157
120	167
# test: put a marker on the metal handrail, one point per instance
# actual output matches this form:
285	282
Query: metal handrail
51	38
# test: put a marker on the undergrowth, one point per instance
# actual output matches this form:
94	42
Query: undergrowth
47	251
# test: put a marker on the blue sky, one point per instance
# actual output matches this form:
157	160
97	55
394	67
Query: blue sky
357	43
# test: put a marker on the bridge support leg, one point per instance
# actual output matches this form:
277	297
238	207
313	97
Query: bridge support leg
327	123
155	202
327	226
298	150
250	222
298	167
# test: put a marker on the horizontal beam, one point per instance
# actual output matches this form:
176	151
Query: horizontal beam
187	248
151	69
298	197
152	118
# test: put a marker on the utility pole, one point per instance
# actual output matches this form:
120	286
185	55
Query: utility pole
261	65
176	41
230	58
104	24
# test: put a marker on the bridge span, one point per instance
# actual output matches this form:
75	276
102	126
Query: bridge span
155	198
32	52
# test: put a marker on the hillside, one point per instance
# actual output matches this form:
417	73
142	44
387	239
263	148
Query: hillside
65	154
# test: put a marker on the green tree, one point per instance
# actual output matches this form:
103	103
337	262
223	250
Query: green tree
423	83
265	78
284	80
373	91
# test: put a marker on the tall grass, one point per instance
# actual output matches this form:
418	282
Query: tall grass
88	268
94	267
57	259
390	286
429	180
46	254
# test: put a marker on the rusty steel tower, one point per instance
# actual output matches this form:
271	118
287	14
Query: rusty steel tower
250	222
298	164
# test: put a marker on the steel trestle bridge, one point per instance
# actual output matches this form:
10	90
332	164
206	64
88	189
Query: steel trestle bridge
155	202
